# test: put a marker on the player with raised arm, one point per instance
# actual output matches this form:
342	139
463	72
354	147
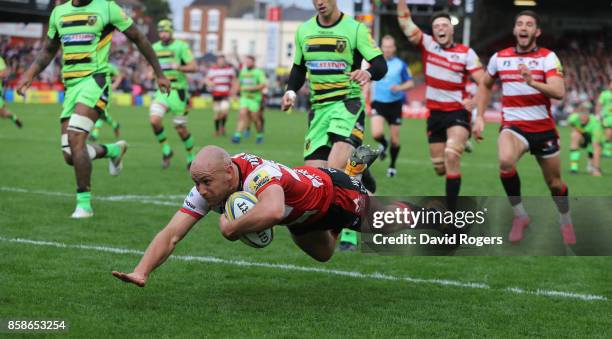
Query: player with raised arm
389	98
83	29
586	133
220	80
447	67
329	49
531	76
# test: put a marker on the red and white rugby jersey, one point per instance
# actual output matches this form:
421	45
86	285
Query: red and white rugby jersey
446	73
522	105
308	190
222	78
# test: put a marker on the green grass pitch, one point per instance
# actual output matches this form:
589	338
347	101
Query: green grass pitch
61	267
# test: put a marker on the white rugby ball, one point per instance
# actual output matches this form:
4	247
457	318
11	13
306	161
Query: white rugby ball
238	204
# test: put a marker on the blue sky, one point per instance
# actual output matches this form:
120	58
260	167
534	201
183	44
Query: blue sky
178	5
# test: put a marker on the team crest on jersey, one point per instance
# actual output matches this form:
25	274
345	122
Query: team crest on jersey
533	63
506	63
340	45
92	19
259	181
454	57
79	37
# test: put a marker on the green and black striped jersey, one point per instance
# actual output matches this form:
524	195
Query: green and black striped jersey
171	56
330	53
85	33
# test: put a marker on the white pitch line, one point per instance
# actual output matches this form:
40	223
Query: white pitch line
160	199
290	267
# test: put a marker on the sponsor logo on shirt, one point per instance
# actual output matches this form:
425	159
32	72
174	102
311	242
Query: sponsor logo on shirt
259	181
78	37
326	65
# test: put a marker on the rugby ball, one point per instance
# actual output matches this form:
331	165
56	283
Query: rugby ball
238	204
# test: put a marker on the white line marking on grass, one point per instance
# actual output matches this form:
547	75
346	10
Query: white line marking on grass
160	199
290	267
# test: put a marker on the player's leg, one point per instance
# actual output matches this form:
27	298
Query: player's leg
95	132
158	109
224	112
319	245
456	136
256	116
378	129
436	152
576	140
607	149
178	106
316	141
243	120
551	169
113	123
395	149
436	138
6	114
510	147
180	124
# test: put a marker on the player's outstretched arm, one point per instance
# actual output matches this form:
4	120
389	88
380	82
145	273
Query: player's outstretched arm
483	96
160	249
190	67
269	211
49	50
144	46
410	29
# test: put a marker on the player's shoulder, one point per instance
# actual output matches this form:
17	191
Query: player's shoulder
246	160
506	53
460	48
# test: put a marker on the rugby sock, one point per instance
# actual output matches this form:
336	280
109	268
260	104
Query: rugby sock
349	236
217	125
95	133
112	150
453	185
383	142
260	136
394	153
161	138
561	199
188	142
84	200
237	136
512	185
14	118
607	149
223	121
574	158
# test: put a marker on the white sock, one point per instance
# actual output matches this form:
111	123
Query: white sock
519	210
565	218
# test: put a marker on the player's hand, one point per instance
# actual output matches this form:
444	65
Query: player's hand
23	84
288	100
402	9
134	278
395	88
225	228
468	104
526	74
163	84
360	76
478	128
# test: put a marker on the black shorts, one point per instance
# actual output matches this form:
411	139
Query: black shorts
347	207
220	98
438	122
541	144
391	111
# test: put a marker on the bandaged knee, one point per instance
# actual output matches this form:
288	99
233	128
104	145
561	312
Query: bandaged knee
91	151
157	109
455	147
80	123
180	120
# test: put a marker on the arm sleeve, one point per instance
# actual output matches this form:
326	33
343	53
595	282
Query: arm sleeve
297	77
492	67
473	62
366	45
52	31
552	66
195	205
378	67
118	18
405	75
298	56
